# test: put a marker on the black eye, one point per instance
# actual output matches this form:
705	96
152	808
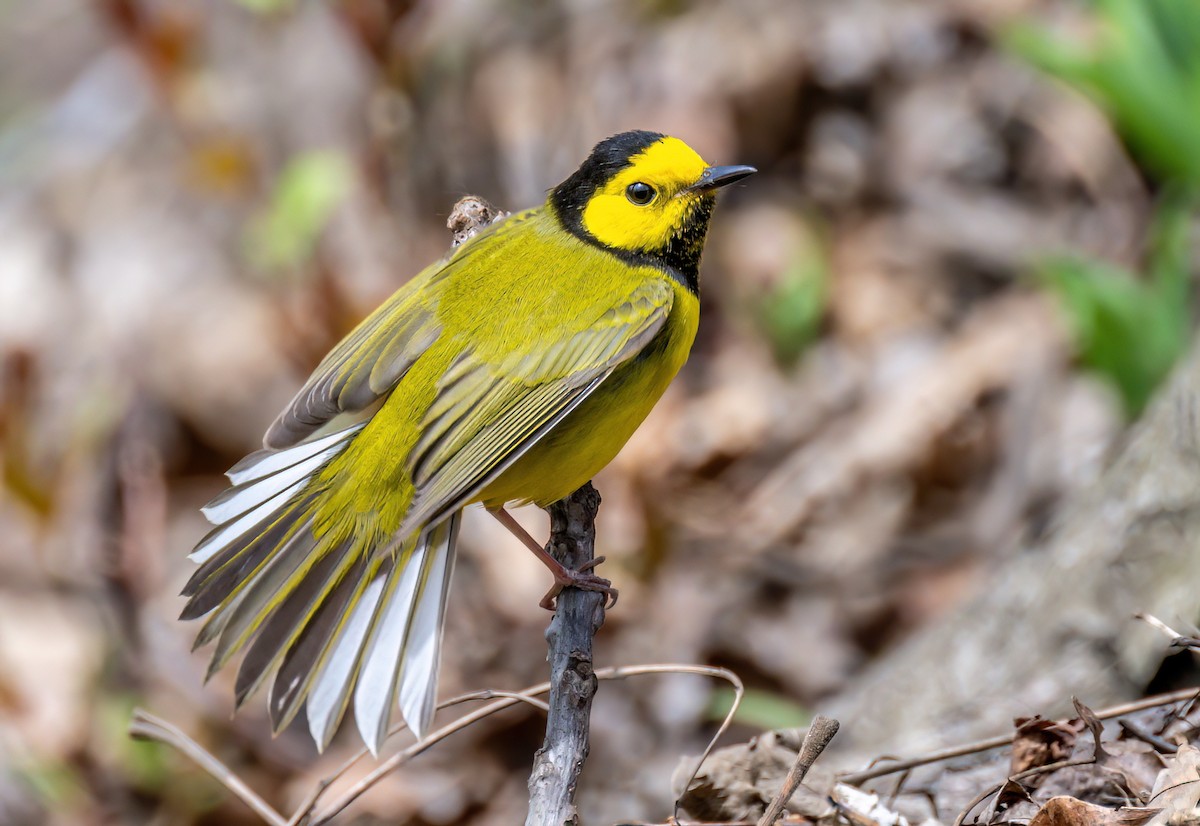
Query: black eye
639	193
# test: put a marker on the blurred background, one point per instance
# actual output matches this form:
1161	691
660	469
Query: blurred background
958	278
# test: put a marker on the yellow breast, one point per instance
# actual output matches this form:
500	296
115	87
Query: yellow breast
592	435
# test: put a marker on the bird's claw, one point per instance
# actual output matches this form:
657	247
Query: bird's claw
584	581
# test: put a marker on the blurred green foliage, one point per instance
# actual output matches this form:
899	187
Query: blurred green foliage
308	190
1129	329
142	762
1142	66
56	784
791	311
267	6
759	709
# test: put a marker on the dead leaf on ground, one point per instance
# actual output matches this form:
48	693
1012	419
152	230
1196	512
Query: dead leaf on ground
1040	742
1069	811
1128	768
1012	793
1177	789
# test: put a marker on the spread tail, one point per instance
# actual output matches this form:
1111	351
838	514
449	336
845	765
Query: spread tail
331	614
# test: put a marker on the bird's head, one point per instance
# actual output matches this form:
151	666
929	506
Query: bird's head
646	195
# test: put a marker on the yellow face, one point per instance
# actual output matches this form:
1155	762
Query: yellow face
647	203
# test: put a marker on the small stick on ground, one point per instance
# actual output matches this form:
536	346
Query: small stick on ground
999	742
820	732
507	700
1177	640
577	618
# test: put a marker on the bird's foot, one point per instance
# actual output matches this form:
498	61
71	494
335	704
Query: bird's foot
582	579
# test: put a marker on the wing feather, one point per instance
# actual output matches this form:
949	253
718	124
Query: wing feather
360	370
487	415
373	358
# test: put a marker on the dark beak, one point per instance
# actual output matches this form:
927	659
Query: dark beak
716	177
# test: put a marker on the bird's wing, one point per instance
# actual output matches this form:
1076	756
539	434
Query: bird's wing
360	370
369	362
487	414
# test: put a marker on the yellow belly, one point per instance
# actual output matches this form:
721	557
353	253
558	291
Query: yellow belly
592	435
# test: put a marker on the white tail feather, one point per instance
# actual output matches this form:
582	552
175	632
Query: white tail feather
230	531
389	649
265	462
327	699
236	501
422	655
282	473
377	679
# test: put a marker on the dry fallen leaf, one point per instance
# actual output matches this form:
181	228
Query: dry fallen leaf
1040	742
1069	811
1128	767
1177	789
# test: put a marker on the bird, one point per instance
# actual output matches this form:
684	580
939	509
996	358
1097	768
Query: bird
509	372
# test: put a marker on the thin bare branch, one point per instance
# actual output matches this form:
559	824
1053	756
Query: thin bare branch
578	615
145	726
1177	640
1000	741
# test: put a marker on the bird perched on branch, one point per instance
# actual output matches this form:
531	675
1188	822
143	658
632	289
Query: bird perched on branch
511	371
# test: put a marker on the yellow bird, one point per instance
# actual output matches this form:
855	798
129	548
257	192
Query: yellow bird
511	371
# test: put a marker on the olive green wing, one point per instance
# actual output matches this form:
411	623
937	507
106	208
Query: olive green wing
361	369
368	363
486	415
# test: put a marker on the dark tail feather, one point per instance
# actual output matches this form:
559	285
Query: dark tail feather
334	616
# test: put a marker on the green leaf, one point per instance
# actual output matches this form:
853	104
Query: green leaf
308	190
142	763
267	6
1127	329
759	709
1142	66
791	312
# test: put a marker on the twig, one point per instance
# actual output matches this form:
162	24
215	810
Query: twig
470	215
674	822
1177	640
404	755
739	691
1000	741
1136	729
578	615
509	700
146	726
820	731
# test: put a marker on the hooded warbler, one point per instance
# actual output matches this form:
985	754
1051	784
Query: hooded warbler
511	371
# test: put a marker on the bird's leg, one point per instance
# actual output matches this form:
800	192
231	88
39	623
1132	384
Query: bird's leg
564	577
